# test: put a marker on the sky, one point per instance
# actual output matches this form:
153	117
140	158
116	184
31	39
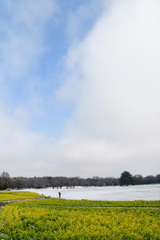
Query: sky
79	87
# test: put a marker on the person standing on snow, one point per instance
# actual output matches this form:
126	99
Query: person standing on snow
59	194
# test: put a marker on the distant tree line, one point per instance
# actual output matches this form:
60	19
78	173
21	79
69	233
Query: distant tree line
5	180
57	182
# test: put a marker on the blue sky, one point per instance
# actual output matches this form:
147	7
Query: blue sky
79	87
33	89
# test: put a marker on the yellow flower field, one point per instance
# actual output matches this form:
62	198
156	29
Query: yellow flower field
44	219
17	195
95	203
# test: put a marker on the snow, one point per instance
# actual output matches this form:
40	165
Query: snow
115	193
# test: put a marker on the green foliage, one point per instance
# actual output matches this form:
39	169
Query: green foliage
5	185
60	219
126	179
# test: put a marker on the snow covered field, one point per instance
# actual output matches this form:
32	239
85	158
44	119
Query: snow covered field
141	192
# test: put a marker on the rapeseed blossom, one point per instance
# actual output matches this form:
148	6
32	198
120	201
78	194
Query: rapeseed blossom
63	219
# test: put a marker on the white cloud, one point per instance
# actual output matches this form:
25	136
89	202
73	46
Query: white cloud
24	152
117	110
112	77
22	28
22	44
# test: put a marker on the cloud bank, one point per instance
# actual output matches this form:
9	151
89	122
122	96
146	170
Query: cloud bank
116	122
111	77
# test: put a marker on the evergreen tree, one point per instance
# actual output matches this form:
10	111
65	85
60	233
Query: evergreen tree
126	179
